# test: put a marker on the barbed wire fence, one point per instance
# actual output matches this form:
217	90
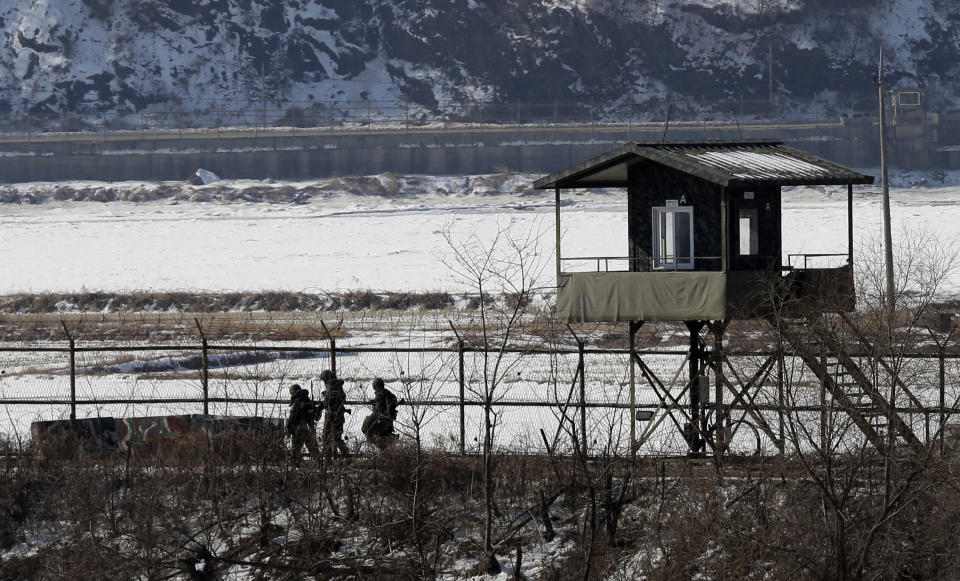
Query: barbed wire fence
552	394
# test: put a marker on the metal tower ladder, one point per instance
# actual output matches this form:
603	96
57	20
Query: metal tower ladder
848	384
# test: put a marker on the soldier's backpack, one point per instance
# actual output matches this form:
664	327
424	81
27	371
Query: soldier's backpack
335	396
392	406
314	411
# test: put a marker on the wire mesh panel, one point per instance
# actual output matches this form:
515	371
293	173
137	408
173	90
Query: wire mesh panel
531	398
37	386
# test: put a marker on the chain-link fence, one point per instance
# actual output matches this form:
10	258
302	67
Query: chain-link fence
537	398
443	389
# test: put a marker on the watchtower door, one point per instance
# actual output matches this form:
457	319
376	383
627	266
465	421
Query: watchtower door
755	243
672	237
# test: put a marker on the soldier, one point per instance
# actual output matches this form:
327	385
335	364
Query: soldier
302	423
378	426
334	400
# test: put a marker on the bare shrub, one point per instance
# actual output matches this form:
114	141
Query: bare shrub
361	300
436	301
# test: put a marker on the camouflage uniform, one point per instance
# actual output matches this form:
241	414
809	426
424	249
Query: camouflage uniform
302	422
378	426
334	400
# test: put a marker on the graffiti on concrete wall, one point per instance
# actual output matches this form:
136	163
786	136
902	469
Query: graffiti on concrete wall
98	433
123	434
152	429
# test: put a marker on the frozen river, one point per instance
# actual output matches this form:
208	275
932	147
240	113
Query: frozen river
344	241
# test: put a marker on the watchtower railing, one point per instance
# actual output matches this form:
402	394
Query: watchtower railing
643	264
816	260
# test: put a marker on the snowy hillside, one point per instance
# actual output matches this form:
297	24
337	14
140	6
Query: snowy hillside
100	59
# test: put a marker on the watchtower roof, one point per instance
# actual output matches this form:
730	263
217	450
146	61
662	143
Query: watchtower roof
738	163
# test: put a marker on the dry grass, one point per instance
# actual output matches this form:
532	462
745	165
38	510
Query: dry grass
406	515
156	511
228	316
205	303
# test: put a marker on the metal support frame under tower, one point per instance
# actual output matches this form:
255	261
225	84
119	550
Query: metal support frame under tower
698	403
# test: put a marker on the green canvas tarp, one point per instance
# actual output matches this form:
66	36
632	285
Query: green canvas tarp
642	296
590	297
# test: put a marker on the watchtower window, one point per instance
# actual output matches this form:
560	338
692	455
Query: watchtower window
909	98
673	237
749	239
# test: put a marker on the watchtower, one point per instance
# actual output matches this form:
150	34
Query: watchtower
704	233
907	105
704	247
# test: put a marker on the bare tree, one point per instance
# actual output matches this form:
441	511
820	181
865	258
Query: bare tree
848	381
504	271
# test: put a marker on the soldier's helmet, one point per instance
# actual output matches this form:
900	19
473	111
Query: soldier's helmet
295	388
326	375
377	383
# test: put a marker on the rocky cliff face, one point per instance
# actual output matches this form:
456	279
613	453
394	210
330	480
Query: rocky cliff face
108	58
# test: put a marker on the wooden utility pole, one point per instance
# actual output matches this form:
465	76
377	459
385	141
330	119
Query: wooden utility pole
263	100
770	75
887	236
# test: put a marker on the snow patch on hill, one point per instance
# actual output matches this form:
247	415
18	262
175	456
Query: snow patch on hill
98	59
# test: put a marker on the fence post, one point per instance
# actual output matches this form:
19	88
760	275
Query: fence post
463	408
333	348
633	391
823	402
583	396
73	372
943	394
462	378
333	356
780	397
205	377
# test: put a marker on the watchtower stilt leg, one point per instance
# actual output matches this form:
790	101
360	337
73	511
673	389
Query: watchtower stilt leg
698	400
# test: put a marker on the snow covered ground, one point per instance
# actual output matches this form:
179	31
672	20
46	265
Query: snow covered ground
381	233
391	241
